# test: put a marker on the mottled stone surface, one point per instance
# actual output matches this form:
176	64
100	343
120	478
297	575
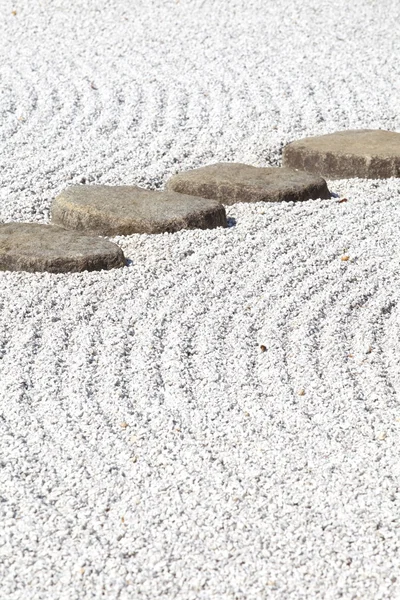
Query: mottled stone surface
364	153
235	182
34	247
123	210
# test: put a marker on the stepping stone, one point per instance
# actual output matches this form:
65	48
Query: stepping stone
235	182
123	210
364	153
34	247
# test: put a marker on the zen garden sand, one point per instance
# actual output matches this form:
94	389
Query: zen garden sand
199	300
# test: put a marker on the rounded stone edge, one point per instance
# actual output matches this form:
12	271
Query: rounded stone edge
206	218
209	218
111	258
334	165
317	189
58	266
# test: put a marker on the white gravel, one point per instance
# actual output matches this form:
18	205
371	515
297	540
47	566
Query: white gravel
149	448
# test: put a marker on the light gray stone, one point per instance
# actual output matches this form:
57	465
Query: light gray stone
364	153
235	182
34	247
123	210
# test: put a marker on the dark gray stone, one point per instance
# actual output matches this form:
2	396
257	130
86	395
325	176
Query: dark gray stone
123	210
364	153
235	182
34	247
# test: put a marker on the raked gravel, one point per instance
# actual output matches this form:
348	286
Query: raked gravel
149	447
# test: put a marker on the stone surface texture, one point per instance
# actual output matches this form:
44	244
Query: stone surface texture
235	182
363	153
35	247
124	210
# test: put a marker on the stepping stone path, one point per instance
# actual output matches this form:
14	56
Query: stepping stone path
364	153
34	247
234	182
123	210
192	200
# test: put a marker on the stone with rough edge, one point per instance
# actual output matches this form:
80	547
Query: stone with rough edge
235	182
124	210
34	247
363	153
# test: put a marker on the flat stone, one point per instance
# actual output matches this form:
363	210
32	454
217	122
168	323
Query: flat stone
123	210
34	247
235	182
364	153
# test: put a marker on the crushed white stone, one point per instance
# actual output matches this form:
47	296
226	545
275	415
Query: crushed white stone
224	481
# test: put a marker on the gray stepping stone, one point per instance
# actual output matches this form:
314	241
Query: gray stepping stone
235	182
123	210
364	153
34	247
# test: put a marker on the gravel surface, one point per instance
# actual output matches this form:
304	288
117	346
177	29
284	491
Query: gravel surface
220	419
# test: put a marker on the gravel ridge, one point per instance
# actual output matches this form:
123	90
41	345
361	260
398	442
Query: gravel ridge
149	447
